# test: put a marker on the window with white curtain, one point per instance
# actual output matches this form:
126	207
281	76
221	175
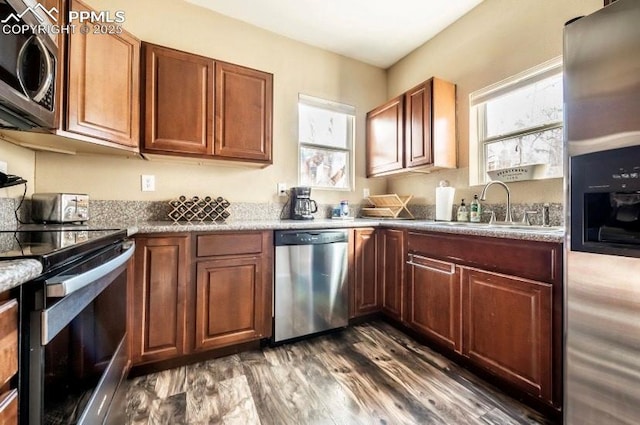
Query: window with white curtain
518	122
325	140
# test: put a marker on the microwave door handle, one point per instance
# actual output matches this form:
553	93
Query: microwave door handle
41	92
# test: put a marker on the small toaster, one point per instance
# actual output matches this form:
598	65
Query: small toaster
59	207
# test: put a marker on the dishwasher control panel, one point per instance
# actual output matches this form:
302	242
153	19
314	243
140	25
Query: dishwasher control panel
306	237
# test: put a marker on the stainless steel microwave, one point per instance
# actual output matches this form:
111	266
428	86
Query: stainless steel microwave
27	65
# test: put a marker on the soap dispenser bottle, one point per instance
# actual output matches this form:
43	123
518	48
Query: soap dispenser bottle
463	212
475	212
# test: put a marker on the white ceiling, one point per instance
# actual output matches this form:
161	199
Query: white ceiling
378	32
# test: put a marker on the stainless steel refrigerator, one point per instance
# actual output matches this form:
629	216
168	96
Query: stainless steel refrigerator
602	261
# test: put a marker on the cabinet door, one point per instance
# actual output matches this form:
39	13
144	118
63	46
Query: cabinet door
418	147
391	271
385	138
178	102
161	273
433	300
103	91
507	328
243	113
366	293
231	301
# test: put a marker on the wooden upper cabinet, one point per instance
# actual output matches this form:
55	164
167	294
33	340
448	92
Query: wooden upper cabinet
385	138
103	85
417	126
243	113
414	130
178	102
508	328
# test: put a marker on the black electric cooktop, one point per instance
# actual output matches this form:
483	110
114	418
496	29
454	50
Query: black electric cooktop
55	245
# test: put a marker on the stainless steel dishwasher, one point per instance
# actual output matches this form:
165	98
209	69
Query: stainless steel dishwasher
311	293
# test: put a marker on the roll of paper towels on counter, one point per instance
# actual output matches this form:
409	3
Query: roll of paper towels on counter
444	201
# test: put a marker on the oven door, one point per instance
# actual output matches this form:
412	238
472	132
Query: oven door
77	353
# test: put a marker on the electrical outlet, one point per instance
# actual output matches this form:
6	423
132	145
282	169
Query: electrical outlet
282	189
147	183
365	192
3	167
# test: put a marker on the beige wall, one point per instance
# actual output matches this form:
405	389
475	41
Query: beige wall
297	68
497	39
20	161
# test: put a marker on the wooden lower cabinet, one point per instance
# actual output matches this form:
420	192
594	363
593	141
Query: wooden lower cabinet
8	360
366	295
230	302
433	300
9	408
159	313
508	328
496	302
197	292
391	265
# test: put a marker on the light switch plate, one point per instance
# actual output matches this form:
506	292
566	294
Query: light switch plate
3	167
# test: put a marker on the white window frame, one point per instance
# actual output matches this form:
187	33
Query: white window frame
477	118
341	108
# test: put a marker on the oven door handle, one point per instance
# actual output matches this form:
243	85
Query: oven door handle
63	285
90	285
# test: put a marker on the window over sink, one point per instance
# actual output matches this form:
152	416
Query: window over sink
515	127
325	143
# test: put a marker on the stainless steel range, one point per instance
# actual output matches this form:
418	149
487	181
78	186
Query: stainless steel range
73	322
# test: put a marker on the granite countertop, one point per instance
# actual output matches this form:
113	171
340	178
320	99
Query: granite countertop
16	272
532	233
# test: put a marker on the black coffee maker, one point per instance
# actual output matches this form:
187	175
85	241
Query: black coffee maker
302	206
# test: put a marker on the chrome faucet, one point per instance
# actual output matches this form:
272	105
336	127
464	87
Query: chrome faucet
483	196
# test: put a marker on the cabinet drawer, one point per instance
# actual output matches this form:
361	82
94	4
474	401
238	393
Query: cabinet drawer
228	244
8	340
541	261
9	408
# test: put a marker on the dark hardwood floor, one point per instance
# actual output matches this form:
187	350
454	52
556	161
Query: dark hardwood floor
367	374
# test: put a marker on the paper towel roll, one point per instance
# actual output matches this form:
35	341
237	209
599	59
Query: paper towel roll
444	203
